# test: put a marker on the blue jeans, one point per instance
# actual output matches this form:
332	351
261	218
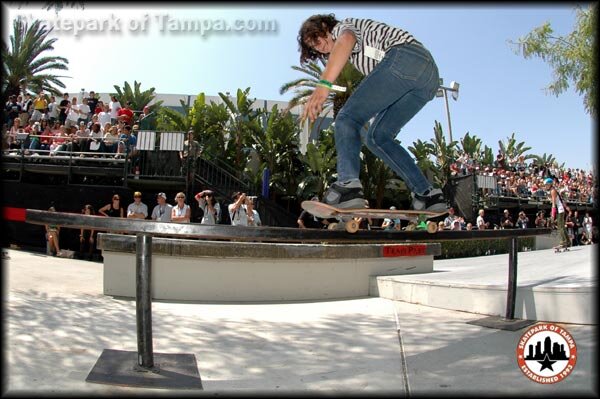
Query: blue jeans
400	85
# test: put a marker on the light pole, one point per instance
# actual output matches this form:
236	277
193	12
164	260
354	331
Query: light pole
443	92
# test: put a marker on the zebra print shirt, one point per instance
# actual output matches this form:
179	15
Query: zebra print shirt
373	34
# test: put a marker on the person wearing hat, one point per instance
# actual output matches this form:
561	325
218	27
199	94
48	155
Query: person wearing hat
558	212
162	210
137	209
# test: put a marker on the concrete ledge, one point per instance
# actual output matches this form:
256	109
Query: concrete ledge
224	271
562	305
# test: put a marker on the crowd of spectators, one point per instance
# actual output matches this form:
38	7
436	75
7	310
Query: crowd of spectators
517	178
45	125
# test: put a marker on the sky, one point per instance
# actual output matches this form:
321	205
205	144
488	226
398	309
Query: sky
500	92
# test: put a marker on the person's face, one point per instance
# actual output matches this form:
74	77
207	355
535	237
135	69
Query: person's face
323	45
137	198
160	200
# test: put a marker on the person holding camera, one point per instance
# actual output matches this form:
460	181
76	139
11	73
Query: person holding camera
210	207
242	212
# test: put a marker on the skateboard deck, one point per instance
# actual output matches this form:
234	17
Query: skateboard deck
560	248
322	210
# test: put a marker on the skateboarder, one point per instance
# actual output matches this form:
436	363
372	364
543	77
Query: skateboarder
559	207
400	78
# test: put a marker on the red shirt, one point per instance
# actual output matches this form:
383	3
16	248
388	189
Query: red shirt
128	113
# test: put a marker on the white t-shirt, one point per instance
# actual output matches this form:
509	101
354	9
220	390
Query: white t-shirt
84	110
103	118
73	114
208	217
239	217
114	108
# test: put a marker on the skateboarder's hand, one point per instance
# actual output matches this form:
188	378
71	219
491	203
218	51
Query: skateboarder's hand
314	105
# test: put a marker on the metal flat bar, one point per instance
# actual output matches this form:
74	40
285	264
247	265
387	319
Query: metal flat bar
264	234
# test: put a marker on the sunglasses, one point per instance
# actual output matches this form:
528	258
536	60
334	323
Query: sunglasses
180	197
137	196
116	198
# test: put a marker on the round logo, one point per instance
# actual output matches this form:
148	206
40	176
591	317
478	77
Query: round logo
546	353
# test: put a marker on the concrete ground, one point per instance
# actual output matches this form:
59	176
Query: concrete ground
58	322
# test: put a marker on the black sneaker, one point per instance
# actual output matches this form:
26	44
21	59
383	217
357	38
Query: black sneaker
432	202
345	196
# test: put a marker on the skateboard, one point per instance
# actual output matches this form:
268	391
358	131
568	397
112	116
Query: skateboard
322	210
560	248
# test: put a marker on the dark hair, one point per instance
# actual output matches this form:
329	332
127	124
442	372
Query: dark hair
90	207
313	28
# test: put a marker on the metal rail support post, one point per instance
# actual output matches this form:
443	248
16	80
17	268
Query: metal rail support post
143	300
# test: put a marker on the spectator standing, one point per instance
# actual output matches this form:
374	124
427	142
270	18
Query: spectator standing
126	114
137	209
84	112
540	220
26	109
237	210
53	110
210	207
53	237
507	222
73	114
587	229
191	151
104	116
92	102
87	237
162	210
13	110
147	119
114	209
63	108
559	209
114	106
522	220
40	107
181	212
481	223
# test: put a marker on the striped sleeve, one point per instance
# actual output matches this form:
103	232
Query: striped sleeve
347	24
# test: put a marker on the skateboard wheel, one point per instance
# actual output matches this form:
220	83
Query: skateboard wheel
431	227
332	226
352	226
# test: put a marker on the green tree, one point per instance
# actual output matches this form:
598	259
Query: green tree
573	57
139	99
445	155
243	122
380	182
25	66
277	147
319	166
513	150
349	77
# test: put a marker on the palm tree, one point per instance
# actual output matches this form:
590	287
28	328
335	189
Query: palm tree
513	150
350	77
139	99
444	153
319	166
24	65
